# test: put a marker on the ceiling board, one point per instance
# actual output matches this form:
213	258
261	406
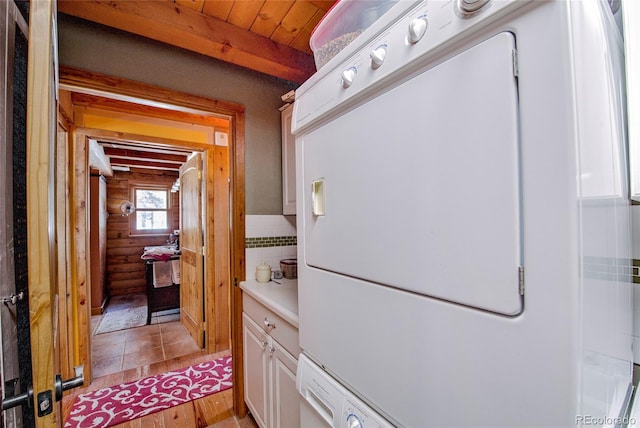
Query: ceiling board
244	13
193	4
301	41
294	21
270	16
218	8
270	37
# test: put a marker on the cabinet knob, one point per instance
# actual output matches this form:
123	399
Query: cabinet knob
268	324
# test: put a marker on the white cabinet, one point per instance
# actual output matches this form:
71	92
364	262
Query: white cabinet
283	388
270	367
288	163
256	370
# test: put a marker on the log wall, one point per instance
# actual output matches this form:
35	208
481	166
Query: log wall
125	269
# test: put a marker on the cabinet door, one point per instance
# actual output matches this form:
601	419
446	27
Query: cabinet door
256	370
288	164
286	399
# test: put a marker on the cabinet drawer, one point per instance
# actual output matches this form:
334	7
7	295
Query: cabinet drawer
283	332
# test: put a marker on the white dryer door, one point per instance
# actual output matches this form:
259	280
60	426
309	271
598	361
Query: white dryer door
419	188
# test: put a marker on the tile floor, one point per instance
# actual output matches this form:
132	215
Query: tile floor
135	347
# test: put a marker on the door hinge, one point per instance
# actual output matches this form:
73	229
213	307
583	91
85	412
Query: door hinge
13	299
235	282
514	62
521	280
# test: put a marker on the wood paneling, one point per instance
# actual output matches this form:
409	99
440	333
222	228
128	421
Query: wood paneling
125	269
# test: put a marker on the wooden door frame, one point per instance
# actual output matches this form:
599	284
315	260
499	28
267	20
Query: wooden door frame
75	80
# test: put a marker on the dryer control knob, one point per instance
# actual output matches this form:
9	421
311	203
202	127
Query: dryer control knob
378	55
470	6
353	421
347	76
417	29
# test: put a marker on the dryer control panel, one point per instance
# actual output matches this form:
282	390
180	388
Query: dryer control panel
396	46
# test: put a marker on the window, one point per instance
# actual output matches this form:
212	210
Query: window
152	213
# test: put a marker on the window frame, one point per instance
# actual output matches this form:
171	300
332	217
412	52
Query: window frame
133	230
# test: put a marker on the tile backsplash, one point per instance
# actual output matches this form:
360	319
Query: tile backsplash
269	239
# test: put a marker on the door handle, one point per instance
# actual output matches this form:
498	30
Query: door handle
16	400
44	399
318	197
64	385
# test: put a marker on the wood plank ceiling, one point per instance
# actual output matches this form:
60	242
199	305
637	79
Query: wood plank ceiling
269	36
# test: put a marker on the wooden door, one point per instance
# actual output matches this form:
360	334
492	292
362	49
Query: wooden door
191	274
41	259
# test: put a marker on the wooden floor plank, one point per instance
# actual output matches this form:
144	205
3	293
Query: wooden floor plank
180	416
212	409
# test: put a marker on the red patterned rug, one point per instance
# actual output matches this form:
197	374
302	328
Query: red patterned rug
110	406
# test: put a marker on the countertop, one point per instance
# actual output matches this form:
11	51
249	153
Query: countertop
280	298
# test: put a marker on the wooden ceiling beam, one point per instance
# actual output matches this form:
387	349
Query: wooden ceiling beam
142	154
171	23
144	164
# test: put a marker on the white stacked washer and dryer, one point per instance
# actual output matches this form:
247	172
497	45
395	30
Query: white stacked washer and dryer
463	220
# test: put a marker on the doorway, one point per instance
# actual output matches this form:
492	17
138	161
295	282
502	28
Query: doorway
225	221
136	300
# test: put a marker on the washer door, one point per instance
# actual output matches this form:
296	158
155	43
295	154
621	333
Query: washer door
419	188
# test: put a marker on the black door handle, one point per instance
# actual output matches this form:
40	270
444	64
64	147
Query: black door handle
64	385
60	386
16	400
